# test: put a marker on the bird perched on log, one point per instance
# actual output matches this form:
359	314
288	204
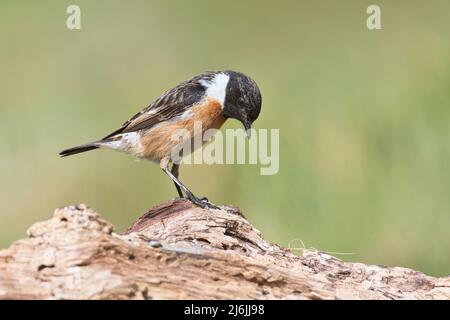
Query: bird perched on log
209	98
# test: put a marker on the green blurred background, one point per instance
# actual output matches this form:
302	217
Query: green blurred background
363	116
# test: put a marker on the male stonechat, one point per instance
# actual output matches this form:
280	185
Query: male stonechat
210	98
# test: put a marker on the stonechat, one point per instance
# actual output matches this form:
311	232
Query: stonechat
210	98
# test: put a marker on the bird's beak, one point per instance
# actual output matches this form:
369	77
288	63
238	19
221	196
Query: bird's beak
248	128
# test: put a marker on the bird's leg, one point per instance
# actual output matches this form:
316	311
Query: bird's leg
174	171
164	164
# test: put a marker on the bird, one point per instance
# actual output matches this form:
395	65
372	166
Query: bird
211	98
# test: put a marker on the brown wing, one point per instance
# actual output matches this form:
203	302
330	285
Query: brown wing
172	103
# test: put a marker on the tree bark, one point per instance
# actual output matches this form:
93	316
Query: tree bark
179	251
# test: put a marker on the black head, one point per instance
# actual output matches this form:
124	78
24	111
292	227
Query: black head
242	99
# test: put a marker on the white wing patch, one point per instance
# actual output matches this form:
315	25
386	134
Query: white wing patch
130	141
216	89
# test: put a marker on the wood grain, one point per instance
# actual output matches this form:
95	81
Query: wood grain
177	251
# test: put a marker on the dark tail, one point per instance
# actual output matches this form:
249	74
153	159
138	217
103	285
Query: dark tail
79	149
88	146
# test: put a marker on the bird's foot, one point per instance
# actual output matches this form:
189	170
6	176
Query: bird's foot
202	202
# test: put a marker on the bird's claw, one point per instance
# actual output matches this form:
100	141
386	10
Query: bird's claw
202	203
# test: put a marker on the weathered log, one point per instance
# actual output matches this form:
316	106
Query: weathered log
177	251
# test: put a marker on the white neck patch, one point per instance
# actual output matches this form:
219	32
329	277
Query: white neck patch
216	89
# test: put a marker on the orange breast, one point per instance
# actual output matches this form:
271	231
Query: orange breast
158	143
